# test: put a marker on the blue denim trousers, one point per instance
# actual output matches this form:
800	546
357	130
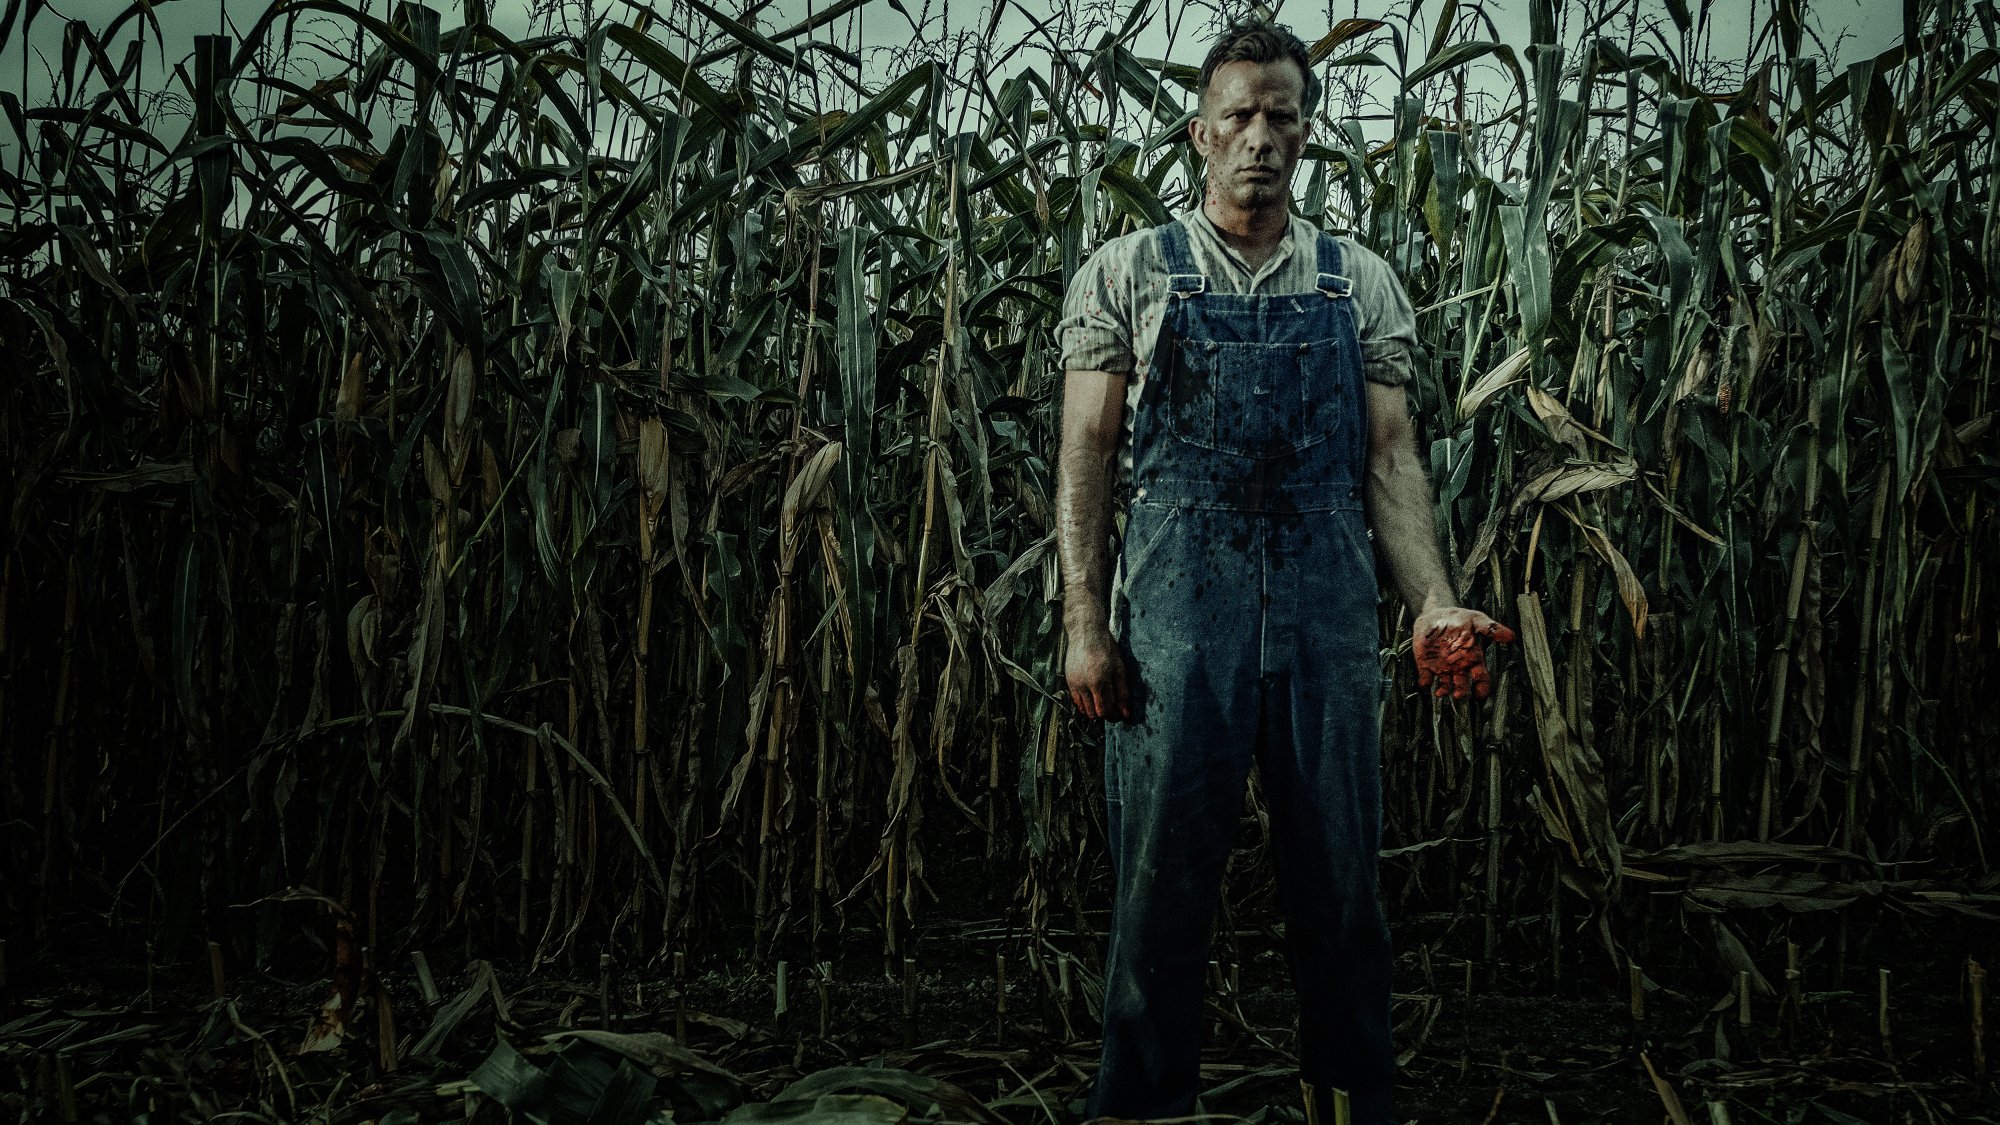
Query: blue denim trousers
1246	605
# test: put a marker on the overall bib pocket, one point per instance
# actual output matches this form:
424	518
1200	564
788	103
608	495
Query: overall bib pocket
1256	400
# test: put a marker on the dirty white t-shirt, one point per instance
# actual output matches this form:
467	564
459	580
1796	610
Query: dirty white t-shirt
1112	312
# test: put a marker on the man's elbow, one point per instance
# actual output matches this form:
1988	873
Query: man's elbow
1086	443
1391	468
1094	436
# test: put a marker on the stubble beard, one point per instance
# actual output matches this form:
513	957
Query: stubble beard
1256	197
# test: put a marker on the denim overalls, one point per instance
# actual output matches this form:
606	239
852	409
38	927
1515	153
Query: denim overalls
1247	606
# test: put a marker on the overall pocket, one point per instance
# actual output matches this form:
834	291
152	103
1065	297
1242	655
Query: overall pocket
1257	400
1145	526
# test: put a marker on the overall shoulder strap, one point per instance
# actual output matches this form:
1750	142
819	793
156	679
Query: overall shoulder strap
1183	279
1331	281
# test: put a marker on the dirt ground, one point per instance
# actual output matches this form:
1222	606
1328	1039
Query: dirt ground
82	1041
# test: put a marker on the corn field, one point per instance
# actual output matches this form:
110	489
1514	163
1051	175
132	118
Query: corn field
591	491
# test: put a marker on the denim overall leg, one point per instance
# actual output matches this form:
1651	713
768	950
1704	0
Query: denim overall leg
1247	605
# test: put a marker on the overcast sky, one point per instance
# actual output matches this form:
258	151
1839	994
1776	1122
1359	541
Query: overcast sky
883	30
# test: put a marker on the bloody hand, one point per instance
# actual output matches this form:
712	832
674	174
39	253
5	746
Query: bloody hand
1450	649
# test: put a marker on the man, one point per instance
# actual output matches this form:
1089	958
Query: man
1245	372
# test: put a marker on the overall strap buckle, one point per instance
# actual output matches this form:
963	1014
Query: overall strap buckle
1335	286
1185	285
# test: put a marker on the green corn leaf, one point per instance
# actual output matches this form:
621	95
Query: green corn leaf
891	99
1754	139
855	349
680	77
1528	265
1452	57
746	35
1134	197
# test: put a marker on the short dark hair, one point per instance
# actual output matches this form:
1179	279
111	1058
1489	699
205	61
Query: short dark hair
1260	41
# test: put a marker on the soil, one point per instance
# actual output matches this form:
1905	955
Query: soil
1518	1046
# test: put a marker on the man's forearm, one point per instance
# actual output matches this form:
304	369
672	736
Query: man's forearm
1401	509
1092	427
1446	638
1083	535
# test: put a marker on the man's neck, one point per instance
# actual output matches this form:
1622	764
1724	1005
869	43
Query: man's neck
1254	233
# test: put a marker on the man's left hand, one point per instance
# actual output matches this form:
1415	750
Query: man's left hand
1450	647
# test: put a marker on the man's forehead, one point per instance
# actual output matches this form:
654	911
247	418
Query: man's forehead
1243	80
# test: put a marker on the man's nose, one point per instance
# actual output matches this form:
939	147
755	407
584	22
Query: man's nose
1259	137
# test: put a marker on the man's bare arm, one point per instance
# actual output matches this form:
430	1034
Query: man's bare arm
1401	505
1092	427
1445	638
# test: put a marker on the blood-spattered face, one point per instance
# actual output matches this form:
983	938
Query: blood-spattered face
1251	130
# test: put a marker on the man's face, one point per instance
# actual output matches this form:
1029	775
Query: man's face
1251	130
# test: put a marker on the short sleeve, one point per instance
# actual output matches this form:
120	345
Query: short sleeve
1095	333
1384	319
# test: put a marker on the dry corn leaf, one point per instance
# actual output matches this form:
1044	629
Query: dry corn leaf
1568	480
1574	764
1795	892
1629	589
1557	418
1912	255
353	385
1503	375
806	492
1672	1101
